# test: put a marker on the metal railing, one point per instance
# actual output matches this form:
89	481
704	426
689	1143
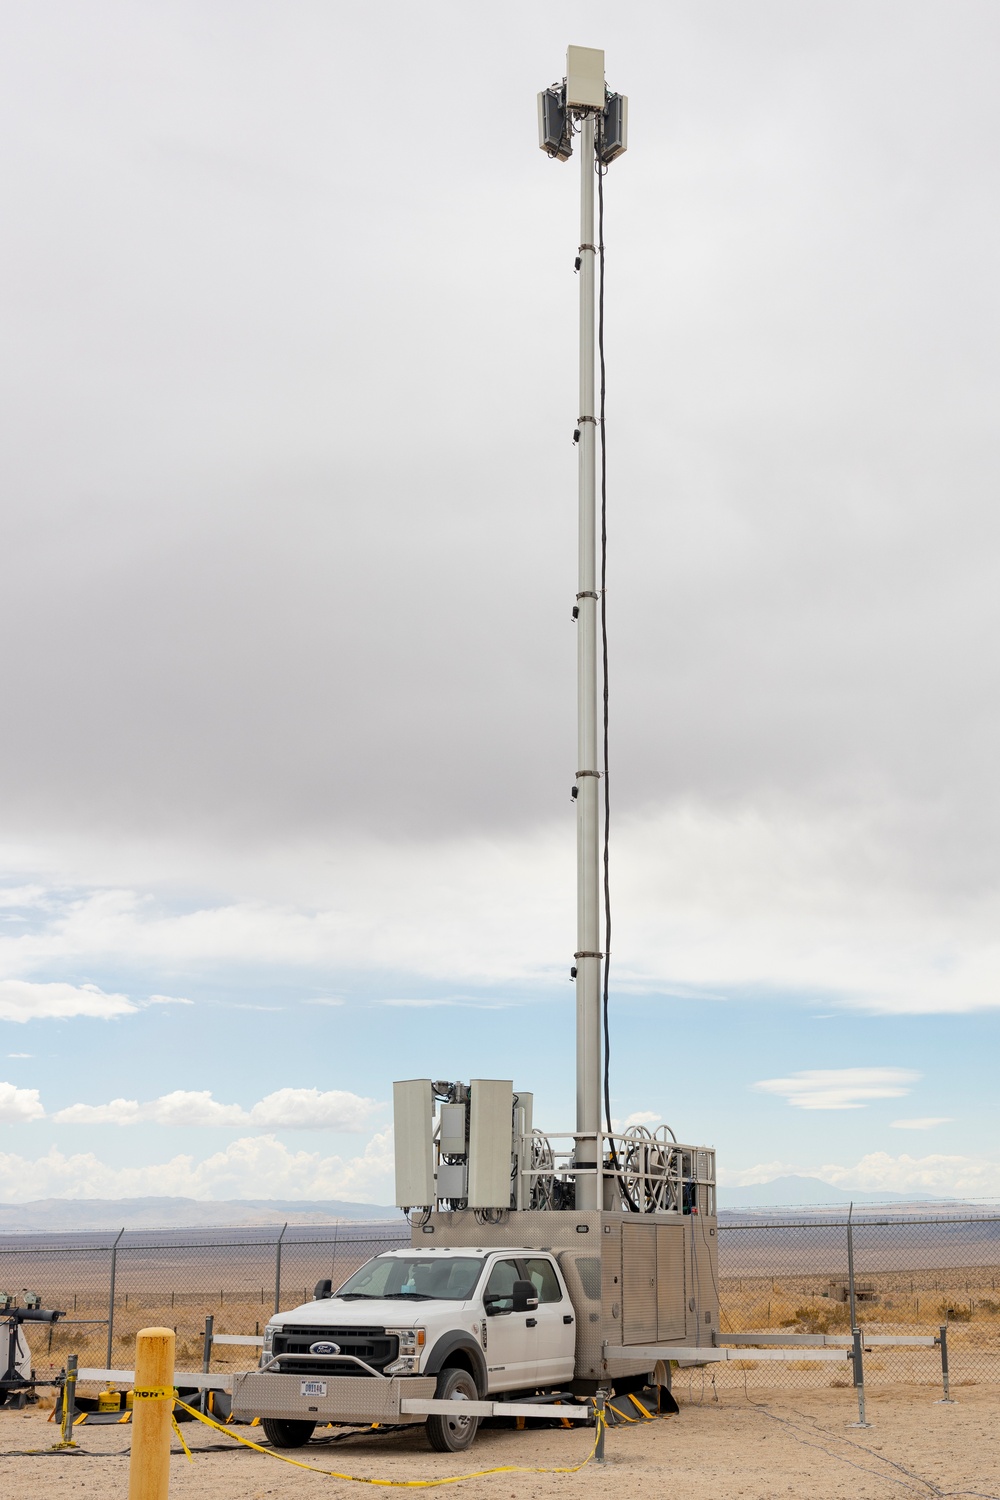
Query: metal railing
649	1171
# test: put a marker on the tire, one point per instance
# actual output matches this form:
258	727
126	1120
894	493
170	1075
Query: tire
452	1433
282	1434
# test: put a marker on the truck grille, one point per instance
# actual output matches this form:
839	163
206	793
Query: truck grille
373	1345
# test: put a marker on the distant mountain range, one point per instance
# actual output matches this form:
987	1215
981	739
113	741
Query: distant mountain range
66	1215
796	1192
57	1215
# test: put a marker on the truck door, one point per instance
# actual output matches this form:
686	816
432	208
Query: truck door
552	1342
507	1358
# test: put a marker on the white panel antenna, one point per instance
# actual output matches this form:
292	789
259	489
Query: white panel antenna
413	1128
490	1123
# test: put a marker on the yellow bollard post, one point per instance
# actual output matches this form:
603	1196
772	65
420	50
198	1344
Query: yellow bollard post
152	1409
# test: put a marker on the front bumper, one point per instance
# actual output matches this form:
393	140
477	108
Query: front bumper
332	1398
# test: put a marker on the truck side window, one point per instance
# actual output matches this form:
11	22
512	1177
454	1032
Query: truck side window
501	1283
542	1275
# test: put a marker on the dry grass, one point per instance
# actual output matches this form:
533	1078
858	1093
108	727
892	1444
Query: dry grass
905	1303
917	1303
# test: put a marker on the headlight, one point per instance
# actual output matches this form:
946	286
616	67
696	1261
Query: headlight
268	1347
411	1340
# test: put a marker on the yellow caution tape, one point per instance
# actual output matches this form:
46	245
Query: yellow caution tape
397	1484
153	1393
180	1439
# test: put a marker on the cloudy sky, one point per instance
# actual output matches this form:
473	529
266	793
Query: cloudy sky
288	510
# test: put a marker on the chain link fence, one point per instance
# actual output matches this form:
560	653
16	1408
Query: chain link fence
110	1286
913	1274
779	1274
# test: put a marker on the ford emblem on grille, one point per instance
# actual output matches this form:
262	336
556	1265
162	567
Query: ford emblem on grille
324	1348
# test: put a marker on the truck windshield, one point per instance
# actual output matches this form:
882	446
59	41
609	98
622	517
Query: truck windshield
420	1278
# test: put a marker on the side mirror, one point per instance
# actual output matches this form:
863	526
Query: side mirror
322	1290
525	1296
491	1302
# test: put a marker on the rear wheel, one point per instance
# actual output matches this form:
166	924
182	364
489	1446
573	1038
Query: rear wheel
449	1432
281	1434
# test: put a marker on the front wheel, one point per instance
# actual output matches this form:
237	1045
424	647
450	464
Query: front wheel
281	1434
452	1433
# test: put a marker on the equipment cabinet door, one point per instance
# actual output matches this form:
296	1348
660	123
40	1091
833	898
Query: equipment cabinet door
554	1345
670	1292
507	1347
638	1284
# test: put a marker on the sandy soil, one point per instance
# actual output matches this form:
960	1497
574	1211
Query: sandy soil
793	1445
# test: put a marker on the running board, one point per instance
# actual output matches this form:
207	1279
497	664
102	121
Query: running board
828	1340
414	1407
714	1356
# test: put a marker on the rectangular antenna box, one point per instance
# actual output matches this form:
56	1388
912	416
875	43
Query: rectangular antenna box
413	1117
452	1137
453	1179
585	78
490	1130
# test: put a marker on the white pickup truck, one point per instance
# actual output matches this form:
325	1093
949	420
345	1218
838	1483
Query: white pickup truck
441	1324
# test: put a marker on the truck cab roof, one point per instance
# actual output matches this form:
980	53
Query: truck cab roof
409	1251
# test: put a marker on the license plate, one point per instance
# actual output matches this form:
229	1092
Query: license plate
314	1387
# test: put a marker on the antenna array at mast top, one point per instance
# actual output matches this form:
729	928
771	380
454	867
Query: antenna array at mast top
582	92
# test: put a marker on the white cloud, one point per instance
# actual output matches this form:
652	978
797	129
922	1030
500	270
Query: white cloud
251	1167
764	1171
192	1107
840	1088
117	1112
637	1117
23	895
312	1109
951	1176
168	1000
20	1054
19	1104
22	1000
288	1109
925	1122
814	903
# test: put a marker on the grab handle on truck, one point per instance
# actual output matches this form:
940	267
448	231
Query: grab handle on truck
316	1358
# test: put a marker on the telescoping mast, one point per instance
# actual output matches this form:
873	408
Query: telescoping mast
631	1214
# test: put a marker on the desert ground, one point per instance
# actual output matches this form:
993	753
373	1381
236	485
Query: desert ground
722	1446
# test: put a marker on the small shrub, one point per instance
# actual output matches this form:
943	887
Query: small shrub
829	1319
955	1314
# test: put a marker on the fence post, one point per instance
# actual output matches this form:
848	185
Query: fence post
858	1353
277	1271
857	1357
206	1356
850	1268
152	1411
599	1401
111	1296
947	1398
68	1404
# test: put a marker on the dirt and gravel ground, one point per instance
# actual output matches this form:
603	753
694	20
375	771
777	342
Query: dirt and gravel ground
791	1445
